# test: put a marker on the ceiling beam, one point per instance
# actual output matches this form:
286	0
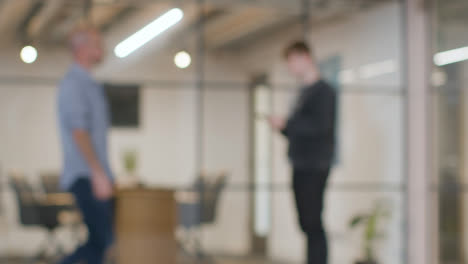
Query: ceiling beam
42	20
12	13
285	5
239	23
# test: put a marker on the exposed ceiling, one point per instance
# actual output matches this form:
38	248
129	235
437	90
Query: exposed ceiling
229	23
452	11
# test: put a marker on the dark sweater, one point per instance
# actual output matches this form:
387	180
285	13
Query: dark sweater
311	128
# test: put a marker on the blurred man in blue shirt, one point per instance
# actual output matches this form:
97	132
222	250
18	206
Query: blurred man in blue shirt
84	122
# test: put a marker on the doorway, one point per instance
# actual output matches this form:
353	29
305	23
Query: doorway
261	163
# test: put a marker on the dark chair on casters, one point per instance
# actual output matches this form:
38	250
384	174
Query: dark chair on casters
197	207
51	184
34	211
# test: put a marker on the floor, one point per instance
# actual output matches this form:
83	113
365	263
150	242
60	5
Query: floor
216	260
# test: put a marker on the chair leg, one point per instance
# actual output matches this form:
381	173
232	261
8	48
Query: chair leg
183	243
191	246
40	254
200	255
75	229
49	243
57	247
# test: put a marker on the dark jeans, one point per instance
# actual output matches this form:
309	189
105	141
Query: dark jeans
309	188
97	216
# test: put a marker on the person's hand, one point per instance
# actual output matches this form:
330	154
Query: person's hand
101	184
277	123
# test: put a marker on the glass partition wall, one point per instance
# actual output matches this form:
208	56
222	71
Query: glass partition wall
202	114
449	128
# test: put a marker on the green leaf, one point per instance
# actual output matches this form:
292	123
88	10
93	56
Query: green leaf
355	221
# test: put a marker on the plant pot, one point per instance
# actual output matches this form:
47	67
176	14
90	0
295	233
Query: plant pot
129	180
366	262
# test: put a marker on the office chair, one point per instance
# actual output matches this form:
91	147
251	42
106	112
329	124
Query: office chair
197	207
34	211
71	218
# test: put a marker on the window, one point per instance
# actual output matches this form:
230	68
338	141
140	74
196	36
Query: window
124	104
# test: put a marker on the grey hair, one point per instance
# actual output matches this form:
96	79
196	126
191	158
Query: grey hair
80	36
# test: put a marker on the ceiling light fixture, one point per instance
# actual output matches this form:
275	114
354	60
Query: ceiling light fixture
147	33
451	56
28	54
182	59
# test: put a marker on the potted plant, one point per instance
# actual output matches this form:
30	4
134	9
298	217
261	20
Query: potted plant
130	166
371	222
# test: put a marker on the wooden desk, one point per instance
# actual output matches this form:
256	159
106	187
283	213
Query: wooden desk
145	225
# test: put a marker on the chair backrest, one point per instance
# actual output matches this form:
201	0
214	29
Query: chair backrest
210	190
27	203
51	182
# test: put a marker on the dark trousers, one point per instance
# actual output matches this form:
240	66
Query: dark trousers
97	216
309	188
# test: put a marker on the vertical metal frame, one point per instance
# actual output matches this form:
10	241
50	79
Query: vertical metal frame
200	87
417	129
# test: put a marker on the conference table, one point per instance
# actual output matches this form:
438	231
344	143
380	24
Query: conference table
146	221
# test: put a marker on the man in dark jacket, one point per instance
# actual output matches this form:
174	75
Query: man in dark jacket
310	131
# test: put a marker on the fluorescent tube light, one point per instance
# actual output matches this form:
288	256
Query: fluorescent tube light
147	33
377	69
451	56
347	76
